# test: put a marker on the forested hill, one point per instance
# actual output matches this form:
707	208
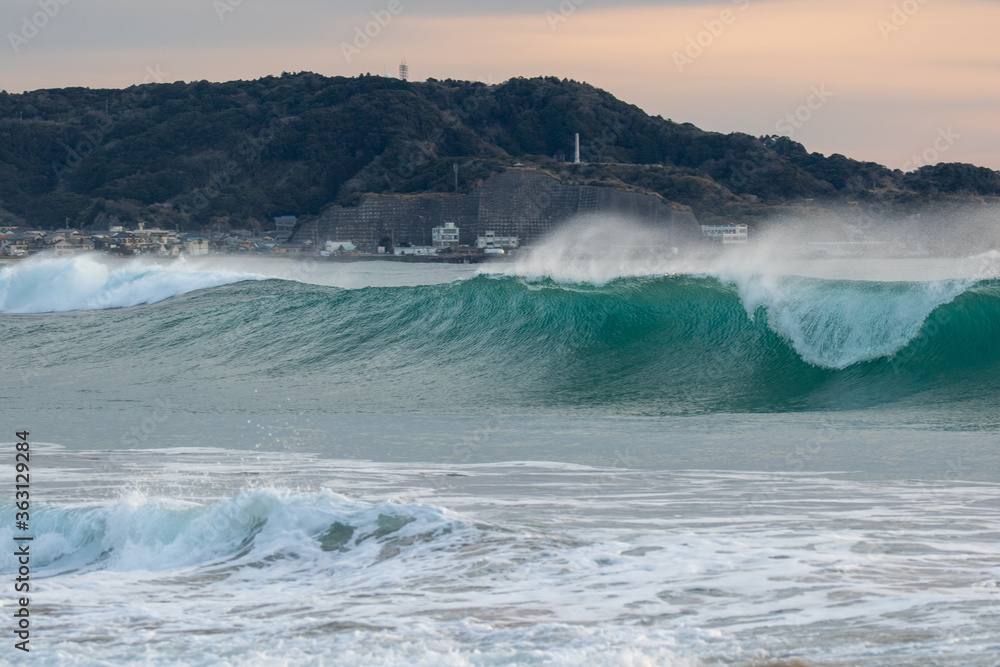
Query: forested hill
189	154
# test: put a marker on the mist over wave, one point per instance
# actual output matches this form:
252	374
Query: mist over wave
835	313
598	249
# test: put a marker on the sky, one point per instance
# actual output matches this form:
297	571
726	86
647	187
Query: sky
899	82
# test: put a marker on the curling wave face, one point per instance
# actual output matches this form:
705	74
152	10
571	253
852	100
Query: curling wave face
675	344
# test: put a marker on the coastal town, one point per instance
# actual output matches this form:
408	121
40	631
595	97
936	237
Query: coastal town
19	242
279	241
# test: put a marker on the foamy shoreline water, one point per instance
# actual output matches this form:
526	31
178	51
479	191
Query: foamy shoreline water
515	563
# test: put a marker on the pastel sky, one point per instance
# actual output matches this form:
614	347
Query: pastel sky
901	82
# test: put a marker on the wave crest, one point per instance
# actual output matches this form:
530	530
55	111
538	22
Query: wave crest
839	324
136	532
90	282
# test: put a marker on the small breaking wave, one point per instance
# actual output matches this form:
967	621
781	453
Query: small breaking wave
136	532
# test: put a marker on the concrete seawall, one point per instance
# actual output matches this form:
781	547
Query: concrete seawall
520	202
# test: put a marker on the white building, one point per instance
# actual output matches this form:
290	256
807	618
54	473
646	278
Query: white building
443	237
726	234
491	240
415	250
196	246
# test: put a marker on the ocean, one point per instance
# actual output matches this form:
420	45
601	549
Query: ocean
616	458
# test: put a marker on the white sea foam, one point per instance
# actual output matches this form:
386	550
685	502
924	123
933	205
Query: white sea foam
836	325
532	564
140	533
45	284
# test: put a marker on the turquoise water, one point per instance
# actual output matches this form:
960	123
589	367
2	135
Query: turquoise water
656	467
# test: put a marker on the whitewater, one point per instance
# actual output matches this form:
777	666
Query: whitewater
616	458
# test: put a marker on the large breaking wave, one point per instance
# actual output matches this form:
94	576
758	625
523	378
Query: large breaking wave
633	345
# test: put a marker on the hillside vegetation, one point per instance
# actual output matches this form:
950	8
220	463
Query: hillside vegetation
187	155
